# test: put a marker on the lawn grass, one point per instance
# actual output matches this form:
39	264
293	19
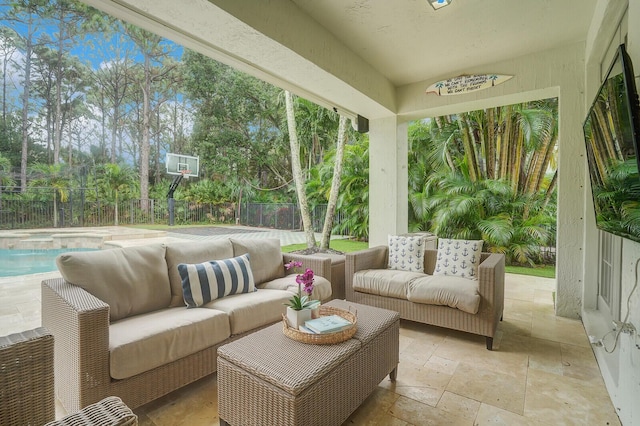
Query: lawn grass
548	271
342	245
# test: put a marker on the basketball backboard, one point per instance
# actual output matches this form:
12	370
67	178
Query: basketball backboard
178	164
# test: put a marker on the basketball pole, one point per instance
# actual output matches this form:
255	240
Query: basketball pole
176	181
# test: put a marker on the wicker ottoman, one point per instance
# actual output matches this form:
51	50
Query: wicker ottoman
266	378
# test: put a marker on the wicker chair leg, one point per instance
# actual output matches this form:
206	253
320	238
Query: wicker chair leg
490	343
393	374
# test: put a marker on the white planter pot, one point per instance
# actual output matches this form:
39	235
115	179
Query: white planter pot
297	318
315	309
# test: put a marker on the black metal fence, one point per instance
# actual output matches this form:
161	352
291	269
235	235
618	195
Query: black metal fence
83	209
283	216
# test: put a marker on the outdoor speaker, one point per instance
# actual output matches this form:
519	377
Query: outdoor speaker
361	124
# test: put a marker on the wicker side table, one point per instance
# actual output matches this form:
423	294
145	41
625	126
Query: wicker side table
266	378
111	411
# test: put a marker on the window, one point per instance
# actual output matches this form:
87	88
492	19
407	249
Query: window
609	275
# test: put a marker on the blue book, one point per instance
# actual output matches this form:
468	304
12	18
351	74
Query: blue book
306	330
328	324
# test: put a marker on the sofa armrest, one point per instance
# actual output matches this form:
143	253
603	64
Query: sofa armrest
491	285
371	258
320	266
79	323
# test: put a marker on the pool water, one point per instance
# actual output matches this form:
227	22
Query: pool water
31	261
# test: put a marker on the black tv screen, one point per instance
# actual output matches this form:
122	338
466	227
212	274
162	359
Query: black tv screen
611	135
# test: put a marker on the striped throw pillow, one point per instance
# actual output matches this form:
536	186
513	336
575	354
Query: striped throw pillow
207	281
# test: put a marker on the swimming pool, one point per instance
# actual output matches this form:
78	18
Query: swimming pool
15	262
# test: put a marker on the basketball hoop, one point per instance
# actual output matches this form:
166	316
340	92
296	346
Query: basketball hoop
185	173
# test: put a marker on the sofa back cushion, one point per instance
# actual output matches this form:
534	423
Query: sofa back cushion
192	252
265	255
130	280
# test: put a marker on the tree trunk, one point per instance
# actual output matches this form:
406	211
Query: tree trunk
491	143
296	169
25	104
115	219
335	185
57	121
146	123
55	208
550	189
114	132
469	149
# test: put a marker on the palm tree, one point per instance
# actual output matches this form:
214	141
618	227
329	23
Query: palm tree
53	176
6	179
353	200
115	179
335	184
517	225
484	175
298	176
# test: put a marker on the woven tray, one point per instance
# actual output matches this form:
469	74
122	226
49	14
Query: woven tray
327	338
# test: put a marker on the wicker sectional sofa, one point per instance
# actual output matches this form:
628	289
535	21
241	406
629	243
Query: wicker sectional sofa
121	326
375	285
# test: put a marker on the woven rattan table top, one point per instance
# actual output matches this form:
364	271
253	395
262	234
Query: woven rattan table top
293	366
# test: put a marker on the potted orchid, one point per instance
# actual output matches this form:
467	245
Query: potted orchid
300	307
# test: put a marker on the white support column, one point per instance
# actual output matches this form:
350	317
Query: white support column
388	179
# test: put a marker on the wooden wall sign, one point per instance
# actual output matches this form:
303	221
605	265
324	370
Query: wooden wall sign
466	84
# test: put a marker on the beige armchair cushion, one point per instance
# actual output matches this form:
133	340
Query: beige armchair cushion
192	252
265	255
385	282
456	292
130	280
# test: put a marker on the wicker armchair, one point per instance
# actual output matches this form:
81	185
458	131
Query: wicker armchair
27	395
26	378
111	411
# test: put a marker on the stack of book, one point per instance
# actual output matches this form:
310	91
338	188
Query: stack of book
327	324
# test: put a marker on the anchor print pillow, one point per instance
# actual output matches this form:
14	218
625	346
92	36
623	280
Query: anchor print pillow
406	253
458	258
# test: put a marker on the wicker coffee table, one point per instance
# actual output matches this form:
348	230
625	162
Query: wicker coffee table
266	378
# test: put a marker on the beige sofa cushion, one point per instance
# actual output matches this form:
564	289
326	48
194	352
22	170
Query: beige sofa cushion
251	310
456	292
192	252
385	282
321	286
265	255
130	280
143	342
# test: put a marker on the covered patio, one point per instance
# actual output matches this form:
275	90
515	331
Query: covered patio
542	369
375	59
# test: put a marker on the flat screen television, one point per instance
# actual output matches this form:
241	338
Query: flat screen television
611	132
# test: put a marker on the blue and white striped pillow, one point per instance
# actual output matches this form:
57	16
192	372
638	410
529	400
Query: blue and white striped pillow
207	281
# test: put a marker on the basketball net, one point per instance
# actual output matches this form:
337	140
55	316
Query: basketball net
185	173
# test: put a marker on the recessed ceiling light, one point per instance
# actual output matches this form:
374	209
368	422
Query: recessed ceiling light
437	4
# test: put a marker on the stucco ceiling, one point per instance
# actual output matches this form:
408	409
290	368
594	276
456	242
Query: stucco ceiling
358	55
408	41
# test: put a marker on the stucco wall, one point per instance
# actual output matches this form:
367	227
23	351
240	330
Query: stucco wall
620	368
